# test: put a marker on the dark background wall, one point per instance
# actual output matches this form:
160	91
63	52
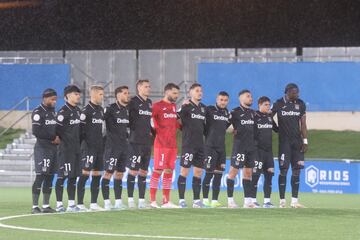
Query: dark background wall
142	24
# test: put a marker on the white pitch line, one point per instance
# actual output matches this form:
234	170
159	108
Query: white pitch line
91	233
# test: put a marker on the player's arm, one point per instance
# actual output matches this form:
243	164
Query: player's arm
132	113
154	120
182	112
303	129
233	121
207	123
38	128
275	127
179	122
228	123
83	119
274	110
61	119
108	118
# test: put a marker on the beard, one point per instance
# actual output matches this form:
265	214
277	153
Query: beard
171	99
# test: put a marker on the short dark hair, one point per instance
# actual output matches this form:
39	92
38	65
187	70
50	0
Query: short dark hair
223	93
71	88
120	89
263	99
170	86
194	85
244	91
141	81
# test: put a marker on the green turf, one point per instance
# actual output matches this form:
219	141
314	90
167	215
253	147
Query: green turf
9	136
328	217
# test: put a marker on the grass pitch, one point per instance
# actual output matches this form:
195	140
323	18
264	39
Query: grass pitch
327	217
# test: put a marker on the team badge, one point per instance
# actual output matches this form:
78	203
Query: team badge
297	106
36	117
202	109
82	117
60	118
269	118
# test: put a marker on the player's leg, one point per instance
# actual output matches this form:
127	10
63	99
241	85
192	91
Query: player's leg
216	188
87	160
284	162
59	185
120	166
105	189
169	166
218	173
268	175
36	189
237	159
254	184
81	189
59	190
143	171
40	162
209	166
133	165
109	167
247	185
187	156
47	189
71	190
206	187
97	168
230	182
257	171
249	164
198	164
48	181
73	172
118	176
196	186
297	163
159	156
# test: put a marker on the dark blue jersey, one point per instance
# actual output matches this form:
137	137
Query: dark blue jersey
242	120
217	121
140	111
44	125
68	127
264	126
117	124
92	117
193	124
289	114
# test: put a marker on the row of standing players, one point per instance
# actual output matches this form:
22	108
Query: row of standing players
71	144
